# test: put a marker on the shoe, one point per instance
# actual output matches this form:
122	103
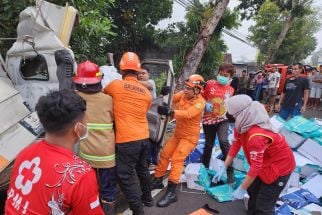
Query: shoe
108	207
169	197
147	200
157	183
148	203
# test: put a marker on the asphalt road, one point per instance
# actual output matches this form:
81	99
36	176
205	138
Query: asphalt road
188	202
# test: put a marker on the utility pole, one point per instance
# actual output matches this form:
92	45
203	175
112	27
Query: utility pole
193	58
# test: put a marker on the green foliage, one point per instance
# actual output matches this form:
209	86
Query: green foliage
135	21
180	37
9	17
160	81
88	39
250	8
299	41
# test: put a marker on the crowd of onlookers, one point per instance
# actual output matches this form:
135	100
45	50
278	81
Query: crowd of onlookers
263	85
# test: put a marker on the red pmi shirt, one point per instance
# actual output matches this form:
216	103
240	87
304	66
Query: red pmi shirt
216	94
267	153
49	179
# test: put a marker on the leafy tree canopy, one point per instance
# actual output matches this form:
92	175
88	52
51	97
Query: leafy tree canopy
136	21
89	38
299	41
105	25
181	37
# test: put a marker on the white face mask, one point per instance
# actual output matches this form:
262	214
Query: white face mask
85	135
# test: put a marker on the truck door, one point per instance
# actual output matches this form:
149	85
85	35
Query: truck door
161	71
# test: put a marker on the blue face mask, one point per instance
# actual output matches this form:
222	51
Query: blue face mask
222	79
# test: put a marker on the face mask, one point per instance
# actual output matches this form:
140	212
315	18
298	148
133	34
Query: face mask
222	79
85	135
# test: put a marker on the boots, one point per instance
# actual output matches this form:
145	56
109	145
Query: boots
108	207
147	200
157	183
169	197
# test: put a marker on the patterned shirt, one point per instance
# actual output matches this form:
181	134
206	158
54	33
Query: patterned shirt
50	179
216	94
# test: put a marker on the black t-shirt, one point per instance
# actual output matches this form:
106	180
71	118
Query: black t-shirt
294	91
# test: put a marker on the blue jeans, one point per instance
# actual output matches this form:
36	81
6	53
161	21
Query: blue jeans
107	183
285	112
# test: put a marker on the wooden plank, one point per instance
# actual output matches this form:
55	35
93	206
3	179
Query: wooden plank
6	89
12	111
12	141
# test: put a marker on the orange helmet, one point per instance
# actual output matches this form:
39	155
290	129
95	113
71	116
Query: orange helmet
87	73
195	80
130	61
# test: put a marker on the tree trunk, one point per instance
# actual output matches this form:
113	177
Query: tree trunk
193	58
280	38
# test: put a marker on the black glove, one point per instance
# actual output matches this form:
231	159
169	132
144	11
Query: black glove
165	90
164	110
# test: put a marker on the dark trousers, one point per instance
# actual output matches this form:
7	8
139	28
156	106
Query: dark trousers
263	197
220	129
133	174
107	183
152	157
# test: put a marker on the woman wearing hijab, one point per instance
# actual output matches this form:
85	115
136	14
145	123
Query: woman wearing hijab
269	156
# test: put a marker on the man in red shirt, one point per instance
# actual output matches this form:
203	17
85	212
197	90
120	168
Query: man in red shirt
214	120
47	177
270	158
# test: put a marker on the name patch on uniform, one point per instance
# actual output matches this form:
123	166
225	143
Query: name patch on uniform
134	88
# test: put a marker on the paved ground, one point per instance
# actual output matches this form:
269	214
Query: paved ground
188	202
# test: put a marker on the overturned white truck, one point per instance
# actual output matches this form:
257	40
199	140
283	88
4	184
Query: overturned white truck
40	61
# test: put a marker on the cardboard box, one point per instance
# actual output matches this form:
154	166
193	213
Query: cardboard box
293	139
192	173
312	150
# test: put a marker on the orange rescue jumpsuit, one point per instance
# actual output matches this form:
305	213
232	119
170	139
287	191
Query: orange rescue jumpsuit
185	138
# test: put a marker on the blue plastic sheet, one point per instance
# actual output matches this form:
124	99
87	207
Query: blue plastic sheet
300	198
303	126
203	177
283	210
222	193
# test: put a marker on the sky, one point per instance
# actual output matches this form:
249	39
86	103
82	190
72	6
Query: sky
239	50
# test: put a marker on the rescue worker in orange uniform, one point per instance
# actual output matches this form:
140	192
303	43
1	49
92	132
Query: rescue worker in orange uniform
189	106
99	148
131	102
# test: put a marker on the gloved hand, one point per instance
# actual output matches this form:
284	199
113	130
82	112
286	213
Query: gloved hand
164	110
208	107
165	90
239	193
219	174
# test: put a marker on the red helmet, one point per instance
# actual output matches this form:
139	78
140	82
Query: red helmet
130	61
87	73
195	80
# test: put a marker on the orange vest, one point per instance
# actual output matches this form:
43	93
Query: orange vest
188	115
131	102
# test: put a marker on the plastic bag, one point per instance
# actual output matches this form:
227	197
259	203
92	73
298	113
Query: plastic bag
203	177
302	125
222	193
283	210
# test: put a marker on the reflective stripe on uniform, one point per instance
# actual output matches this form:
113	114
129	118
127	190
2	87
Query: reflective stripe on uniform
97	158
100	126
